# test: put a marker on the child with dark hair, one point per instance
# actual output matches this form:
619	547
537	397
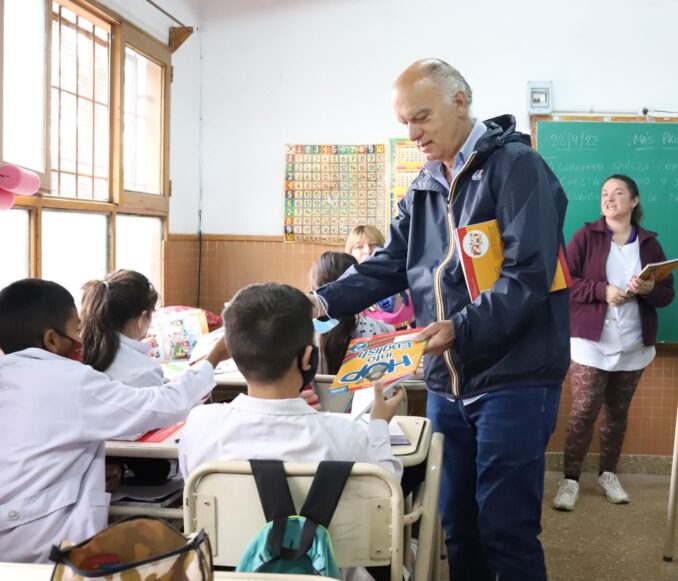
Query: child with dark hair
116	314
269	333
56	415
333	344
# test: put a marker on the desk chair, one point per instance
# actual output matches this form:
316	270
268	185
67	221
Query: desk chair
222	498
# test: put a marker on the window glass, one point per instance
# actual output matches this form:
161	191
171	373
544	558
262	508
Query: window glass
23	86
138	246
79	106
15	253
142	139
74	248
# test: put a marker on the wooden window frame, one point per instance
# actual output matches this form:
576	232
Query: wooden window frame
122	33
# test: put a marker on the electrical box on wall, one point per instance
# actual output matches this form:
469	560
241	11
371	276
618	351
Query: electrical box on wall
539	96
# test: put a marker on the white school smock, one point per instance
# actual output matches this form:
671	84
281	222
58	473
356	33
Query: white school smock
620	347
134	366
285	429
55	416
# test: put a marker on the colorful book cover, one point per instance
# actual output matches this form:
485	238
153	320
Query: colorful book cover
390	357
175	334
481	251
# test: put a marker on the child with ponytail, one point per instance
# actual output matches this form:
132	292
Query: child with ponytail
116	315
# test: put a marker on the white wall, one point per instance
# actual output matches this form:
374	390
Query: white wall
184	103
320	71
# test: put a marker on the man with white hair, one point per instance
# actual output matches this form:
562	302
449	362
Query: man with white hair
494	366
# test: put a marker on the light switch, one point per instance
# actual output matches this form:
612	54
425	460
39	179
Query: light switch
539	96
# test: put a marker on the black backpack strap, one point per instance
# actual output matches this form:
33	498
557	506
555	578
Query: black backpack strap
322	499
275	497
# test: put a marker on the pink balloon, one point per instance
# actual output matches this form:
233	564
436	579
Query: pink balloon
6	200
18	180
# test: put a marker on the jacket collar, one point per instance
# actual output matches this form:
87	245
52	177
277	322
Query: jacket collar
279	407
600	226
500	130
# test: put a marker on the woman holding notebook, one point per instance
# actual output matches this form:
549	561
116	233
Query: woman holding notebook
613	329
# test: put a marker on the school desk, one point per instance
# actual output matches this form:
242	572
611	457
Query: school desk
43	572
416	429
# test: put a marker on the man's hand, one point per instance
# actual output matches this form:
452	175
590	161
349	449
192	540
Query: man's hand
614	295
440	337
383	409
641	287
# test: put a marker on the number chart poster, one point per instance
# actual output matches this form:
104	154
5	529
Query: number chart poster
406	163
329	189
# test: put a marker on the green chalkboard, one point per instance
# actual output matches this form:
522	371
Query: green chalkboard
583	153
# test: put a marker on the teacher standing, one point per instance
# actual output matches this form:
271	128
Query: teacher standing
494	366
613	325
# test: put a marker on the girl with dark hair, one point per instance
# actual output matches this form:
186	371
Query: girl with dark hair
613	330
333	344
116	315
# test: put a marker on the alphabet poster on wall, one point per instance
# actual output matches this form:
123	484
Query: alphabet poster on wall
406	163
329	189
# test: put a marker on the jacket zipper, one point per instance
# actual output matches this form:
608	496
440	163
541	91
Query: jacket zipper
438	278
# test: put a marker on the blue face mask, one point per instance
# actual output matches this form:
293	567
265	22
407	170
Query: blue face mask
324	324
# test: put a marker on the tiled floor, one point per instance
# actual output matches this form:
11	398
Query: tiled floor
599	541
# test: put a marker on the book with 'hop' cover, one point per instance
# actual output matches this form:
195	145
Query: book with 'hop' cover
481	253
389	358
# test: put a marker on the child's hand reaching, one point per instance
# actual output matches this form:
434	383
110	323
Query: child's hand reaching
218	353
383	409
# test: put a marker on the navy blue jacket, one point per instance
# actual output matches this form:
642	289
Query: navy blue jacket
516	334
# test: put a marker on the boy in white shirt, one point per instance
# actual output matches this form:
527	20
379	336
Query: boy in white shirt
55	416
269	333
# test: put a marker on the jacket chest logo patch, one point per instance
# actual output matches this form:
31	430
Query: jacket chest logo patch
477	175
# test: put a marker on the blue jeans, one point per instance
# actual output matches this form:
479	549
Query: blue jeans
493	481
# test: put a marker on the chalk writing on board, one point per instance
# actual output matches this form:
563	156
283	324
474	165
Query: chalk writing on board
648	152
642	140
574	140
575	166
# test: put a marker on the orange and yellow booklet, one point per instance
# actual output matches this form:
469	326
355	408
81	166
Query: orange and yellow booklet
388	358
481	251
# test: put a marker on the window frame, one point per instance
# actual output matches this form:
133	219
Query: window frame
122	34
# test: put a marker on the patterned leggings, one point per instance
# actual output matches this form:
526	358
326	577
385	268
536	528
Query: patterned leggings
592	389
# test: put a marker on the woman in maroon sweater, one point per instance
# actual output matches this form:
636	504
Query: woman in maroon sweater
613	330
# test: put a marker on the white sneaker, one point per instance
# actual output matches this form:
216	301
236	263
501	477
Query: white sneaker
566	498
613	489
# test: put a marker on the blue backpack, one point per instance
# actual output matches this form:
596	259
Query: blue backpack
290	542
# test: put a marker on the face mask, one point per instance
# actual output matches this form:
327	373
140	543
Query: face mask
75	352
307	375
324	324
